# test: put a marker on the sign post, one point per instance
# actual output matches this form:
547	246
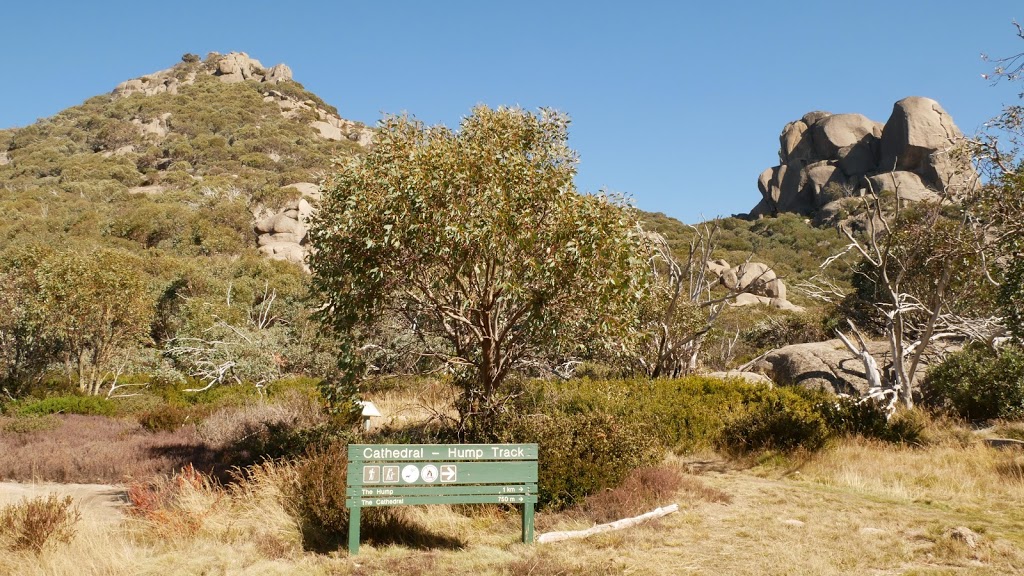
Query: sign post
415	474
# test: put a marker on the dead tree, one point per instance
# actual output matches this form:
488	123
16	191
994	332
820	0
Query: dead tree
926	263
683	307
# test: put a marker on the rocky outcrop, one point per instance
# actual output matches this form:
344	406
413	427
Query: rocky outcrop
155	126
757	283
239	67
831	367
231	67
284	235
825	366
281	234
824	157
327	125
916	140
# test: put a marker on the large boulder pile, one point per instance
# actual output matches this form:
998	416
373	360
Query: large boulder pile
283	235
825	157
756	283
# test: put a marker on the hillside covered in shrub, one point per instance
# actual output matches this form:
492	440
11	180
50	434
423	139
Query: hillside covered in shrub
158	189
160	183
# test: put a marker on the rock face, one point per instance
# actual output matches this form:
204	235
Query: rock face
824	157
757	283
825	366
748	377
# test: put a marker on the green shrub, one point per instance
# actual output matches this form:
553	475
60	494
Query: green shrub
303	386
30	424
164	418
779	330
317	498
696	412
682	414
582	453
780	420
978	383
85	405
847	416
907	427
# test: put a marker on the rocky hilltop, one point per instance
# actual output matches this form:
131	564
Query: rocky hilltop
239	67
281	231
826	157
210	157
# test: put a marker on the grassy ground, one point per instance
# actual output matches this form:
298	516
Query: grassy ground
857	508
953	506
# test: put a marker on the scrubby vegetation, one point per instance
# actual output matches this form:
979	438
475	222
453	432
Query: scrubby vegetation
289	511
149	232
979	383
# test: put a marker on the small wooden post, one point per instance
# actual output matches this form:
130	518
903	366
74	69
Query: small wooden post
528	523
353	530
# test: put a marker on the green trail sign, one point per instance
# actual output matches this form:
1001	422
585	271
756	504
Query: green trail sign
412	474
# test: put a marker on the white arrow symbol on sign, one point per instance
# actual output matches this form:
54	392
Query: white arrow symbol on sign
447	473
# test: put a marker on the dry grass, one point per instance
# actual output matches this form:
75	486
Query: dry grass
429	399
231	424
955	476
101	449
860	508
193	527
648	488
34	522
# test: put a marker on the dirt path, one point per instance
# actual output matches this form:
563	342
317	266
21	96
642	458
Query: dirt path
101	502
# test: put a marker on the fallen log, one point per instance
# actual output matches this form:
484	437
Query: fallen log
610	526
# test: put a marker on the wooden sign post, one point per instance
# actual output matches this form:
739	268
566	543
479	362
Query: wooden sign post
412	474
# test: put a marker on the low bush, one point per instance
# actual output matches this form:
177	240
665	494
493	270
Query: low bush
851	417
29	424
642	490
696	412
582	453
978	383
98	449
779	420
248	433
83	405
164	418
164	502
318	496
681	414
32	523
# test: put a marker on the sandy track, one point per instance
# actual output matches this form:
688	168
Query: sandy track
102	502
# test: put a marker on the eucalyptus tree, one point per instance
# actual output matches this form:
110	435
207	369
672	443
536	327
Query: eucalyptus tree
1001	153
477	241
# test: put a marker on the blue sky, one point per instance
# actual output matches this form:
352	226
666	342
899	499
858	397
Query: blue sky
677	104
